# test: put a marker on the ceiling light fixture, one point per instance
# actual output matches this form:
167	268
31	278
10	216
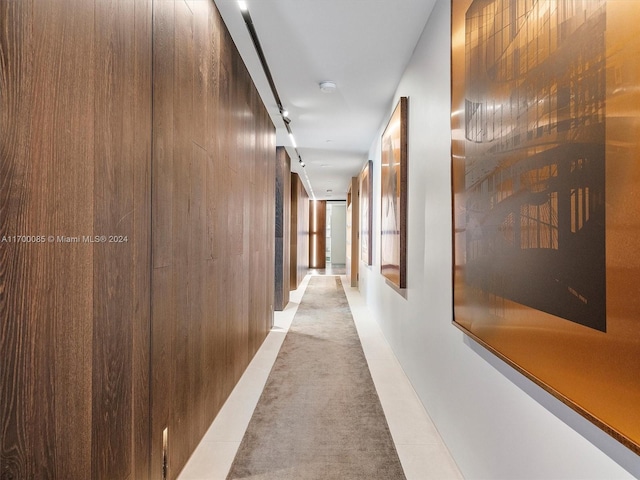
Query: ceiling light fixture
285	118
243	6
293	140
328	87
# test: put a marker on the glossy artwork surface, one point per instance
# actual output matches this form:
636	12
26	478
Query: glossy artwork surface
544	149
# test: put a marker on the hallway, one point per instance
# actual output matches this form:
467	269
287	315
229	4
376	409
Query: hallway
422	453
160	198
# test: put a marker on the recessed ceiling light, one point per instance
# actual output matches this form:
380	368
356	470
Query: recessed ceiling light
243	6
328	87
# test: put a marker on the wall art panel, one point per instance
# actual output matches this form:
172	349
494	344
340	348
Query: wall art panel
544	152
393	233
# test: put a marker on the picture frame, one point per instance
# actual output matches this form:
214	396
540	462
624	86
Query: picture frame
544	214
366	213
393	212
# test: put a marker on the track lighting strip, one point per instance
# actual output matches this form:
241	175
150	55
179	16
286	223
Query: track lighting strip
265	66
267	72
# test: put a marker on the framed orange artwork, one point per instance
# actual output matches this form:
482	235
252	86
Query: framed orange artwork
546	196
393	224
366	214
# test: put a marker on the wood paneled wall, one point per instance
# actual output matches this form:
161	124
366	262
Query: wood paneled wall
283	229
213	224
317	234
75	114
299	249
104	343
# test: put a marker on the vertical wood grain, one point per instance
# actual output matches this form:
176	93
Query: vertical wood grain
299	248
213	223
163	303
180	364
282	229
24	324
293	240
317	233
122	214
78	319
75	101
112	269
142	240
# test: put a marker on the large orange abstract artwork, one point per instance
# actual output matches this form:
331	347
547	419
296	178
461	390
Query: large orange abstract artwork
546	196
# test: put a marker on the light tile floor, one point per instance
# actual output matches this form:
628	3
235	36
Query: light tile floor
422	453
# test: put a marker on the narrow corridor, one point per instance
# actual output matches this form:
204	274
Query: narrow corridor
421	451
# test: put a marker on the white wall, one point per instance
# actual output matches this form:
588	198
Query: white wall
338	233
496	423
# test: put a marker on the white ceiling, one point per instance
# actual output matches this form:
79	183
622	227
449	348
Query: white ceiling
361	45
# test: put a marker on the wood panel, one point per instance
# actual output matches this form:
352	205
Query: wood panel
317	234
75	98
213	224
75	105
121	212
283	229
299	247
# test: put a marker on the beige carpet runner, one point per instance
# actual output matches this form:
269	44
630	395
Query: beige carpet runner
319	417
